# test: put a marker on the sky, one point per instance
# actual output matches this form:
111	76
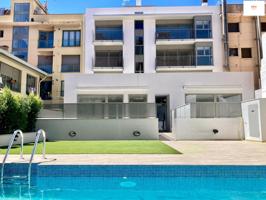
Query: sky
79	6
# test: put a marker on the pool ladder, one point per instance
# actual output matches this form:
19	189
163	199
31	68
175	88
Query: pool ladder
38	134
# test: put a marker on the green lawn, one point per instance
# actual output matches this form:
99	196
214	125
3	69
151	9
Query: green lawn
101	147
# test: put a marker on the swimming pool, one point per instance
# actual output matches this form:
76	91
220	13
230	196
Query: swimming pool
137	183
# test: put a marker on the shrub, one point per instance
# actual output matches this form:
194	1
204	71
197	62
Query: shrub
17	112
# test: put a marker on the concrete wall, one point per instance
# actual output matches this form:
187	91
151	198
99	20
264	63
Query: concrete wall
28	138
122	129
202	129
172	84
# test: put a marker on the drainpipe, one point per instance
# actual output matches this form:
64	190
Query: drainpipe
225	34
259	46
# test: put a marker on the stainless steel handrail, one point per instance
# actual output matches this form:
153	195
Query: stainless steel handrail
11	142
39	132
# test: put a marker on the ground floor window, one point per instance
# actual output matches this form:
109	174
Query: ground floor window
224	98
11	77
100	98
138	98
31	84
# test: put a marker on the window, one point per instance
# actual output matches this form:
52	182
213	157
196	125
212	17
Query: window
46	39
246	53
1	34
139	47
11	77
233	27
204	56
31	84
263	27
109	59
203	29
233	51
70	63
20	42
62	91
137	98
204	98
45	63
21	12
139	68
71	38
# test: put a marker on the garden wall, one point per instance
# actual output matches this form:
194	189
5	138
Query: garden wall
28	138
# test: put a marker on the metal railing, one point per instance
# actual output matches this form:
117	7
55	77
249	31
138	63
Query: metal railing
108	34
168	61
108	61
38	134
70	68
11	142
46	44
48	68
209	110
98	111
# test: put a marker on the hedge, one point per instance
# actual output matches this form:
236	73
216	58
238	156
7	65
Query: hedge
18	112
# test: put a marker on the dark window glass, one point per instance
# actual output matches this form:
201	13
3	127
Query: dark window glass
62	91
204	56
70	63
45	63
1	34
11	77
263	27
139	25
139	67
71	38
109	33
203	29
21	12
109	59
233	52
246	53
20	42
233	27
46	90
46	39
31	84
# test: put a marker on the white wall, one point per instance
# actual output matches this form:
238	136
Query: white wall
28	138
172	84
129	45
202	129
110	129
149	45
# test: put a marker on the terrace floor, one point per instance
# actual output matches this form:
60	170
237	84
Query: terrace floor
193	153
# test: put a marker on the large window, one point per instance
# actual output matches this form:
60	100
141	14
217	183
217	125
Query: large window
21	12
233	27
20	42
70	63
11	77
45	63
71	38
31	84
46	39
203	29
204	56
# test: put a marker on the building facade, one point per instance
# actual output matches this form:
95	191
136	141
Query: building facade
52	43
169	56
244	41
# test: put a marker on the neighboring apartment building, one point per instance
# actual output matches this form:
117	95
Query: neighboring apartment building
50	42
164	55
243	41
18	75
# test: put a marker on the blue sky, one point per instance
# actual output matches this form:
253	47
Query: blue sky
78	6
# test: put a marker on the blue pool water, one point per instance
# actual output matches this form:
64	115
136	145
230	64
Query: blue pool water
197	183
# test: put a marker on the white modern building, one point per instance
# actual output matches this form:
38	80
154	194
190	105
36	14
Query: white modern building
169	56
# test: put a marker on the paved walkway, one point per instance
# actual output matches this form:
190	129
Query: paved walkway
193	153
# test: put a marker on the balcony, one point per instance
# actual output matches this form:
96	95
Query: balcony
174	33
176	61
108	36
45	44
46	68
70	68
108	63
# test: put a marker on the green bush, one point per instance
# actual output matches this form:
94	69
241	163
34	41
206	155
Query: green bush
18	112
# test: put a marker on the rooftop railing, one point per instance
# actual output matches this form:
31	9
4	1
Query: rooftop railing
99	111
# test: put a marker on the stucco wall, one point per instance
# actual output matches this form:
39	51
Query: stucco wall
109	129
28	138
202	129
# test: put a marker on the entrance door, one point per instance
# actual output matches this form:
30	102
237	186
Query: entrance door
46	90
163	114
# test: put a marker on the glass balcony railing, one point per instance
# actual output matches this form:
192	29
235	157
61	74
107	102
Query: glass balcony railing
46	44
70	68
109	61
109	34
204	60
174	33
182	61
204	34
46	67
